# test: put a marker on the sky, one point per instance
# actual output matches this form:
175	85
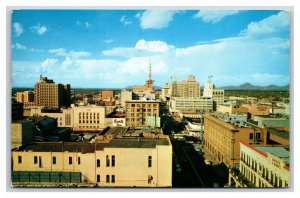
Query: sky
113	48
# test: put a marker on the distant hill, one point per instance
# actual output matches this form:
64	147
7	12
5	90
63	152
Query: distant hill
249	86
130	87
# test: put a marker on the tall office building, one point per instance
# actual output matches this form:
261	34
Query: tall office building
188	88
51	95
216	94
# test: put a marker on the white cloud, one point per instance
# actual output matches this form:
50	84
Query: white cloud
156	19
108	41
18	29
153	46
63	52
141	48
36	50
214	16
49	65
138	15
125	21
39	29
19	46
83	24
272	24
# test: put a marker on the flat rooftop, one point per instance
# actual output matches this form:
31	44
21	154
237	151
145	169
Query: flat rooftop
281	133
80	147
137	143
117	131
279	152
86	147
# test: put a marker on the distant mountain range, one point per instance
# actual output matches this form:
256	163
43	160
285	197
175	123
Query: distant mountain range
249	86
155	87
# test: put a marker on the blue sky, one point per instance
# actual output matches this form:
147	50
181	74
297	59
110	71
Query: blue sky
113	48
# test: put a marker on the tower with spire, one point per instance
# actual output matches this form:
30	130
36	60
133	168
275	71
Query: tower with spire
150	83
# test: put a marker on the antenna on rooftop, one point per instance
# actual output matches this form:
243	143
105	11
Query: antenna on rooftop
209	78
150	75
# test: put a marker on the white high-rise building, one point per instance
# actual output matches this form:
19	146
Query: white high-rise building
216	94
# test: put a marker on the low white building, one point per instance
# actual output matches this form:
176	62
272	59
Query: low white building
191	104
262	167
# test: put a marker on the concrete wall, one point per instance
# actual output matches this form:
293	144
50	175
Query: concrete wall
131	165
21	133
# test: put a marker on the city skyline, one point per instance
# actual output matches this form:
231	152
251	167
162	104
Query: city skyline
112	49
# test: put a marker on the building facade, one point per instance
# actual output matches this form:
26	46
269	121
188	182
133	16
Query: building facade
216	94
21	133
221	139
25	97
51	95
126	95
191	104
262	167
86	118
105	94
89	118
188	88
125	162
137	112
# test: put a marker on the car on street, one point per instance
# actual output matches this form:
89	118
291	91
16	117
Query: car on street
178	168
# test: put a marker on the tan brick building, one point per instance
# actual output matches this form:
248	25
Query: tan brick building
25	97
117	162
107	94
51	95
137	112
186	88
222	139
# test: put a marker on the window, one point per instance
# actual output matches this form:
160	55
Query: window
35	160
251	136
40	162
112	160
53	160
78	160
70	160
113	179
19	159
107	160
98	178
150	178
98	163
257	136
149	161
107	179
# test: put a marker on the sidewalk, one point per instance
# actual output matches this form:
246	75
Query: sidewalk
208	156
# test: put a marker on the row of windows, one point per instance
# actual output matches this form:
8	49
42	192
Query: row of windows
92	113
109	178
142	105
91	122
89	127
37	160
274	180
139	115
109	159
143	110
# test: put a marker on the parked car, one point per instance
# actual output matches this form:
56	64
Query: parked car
178	168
